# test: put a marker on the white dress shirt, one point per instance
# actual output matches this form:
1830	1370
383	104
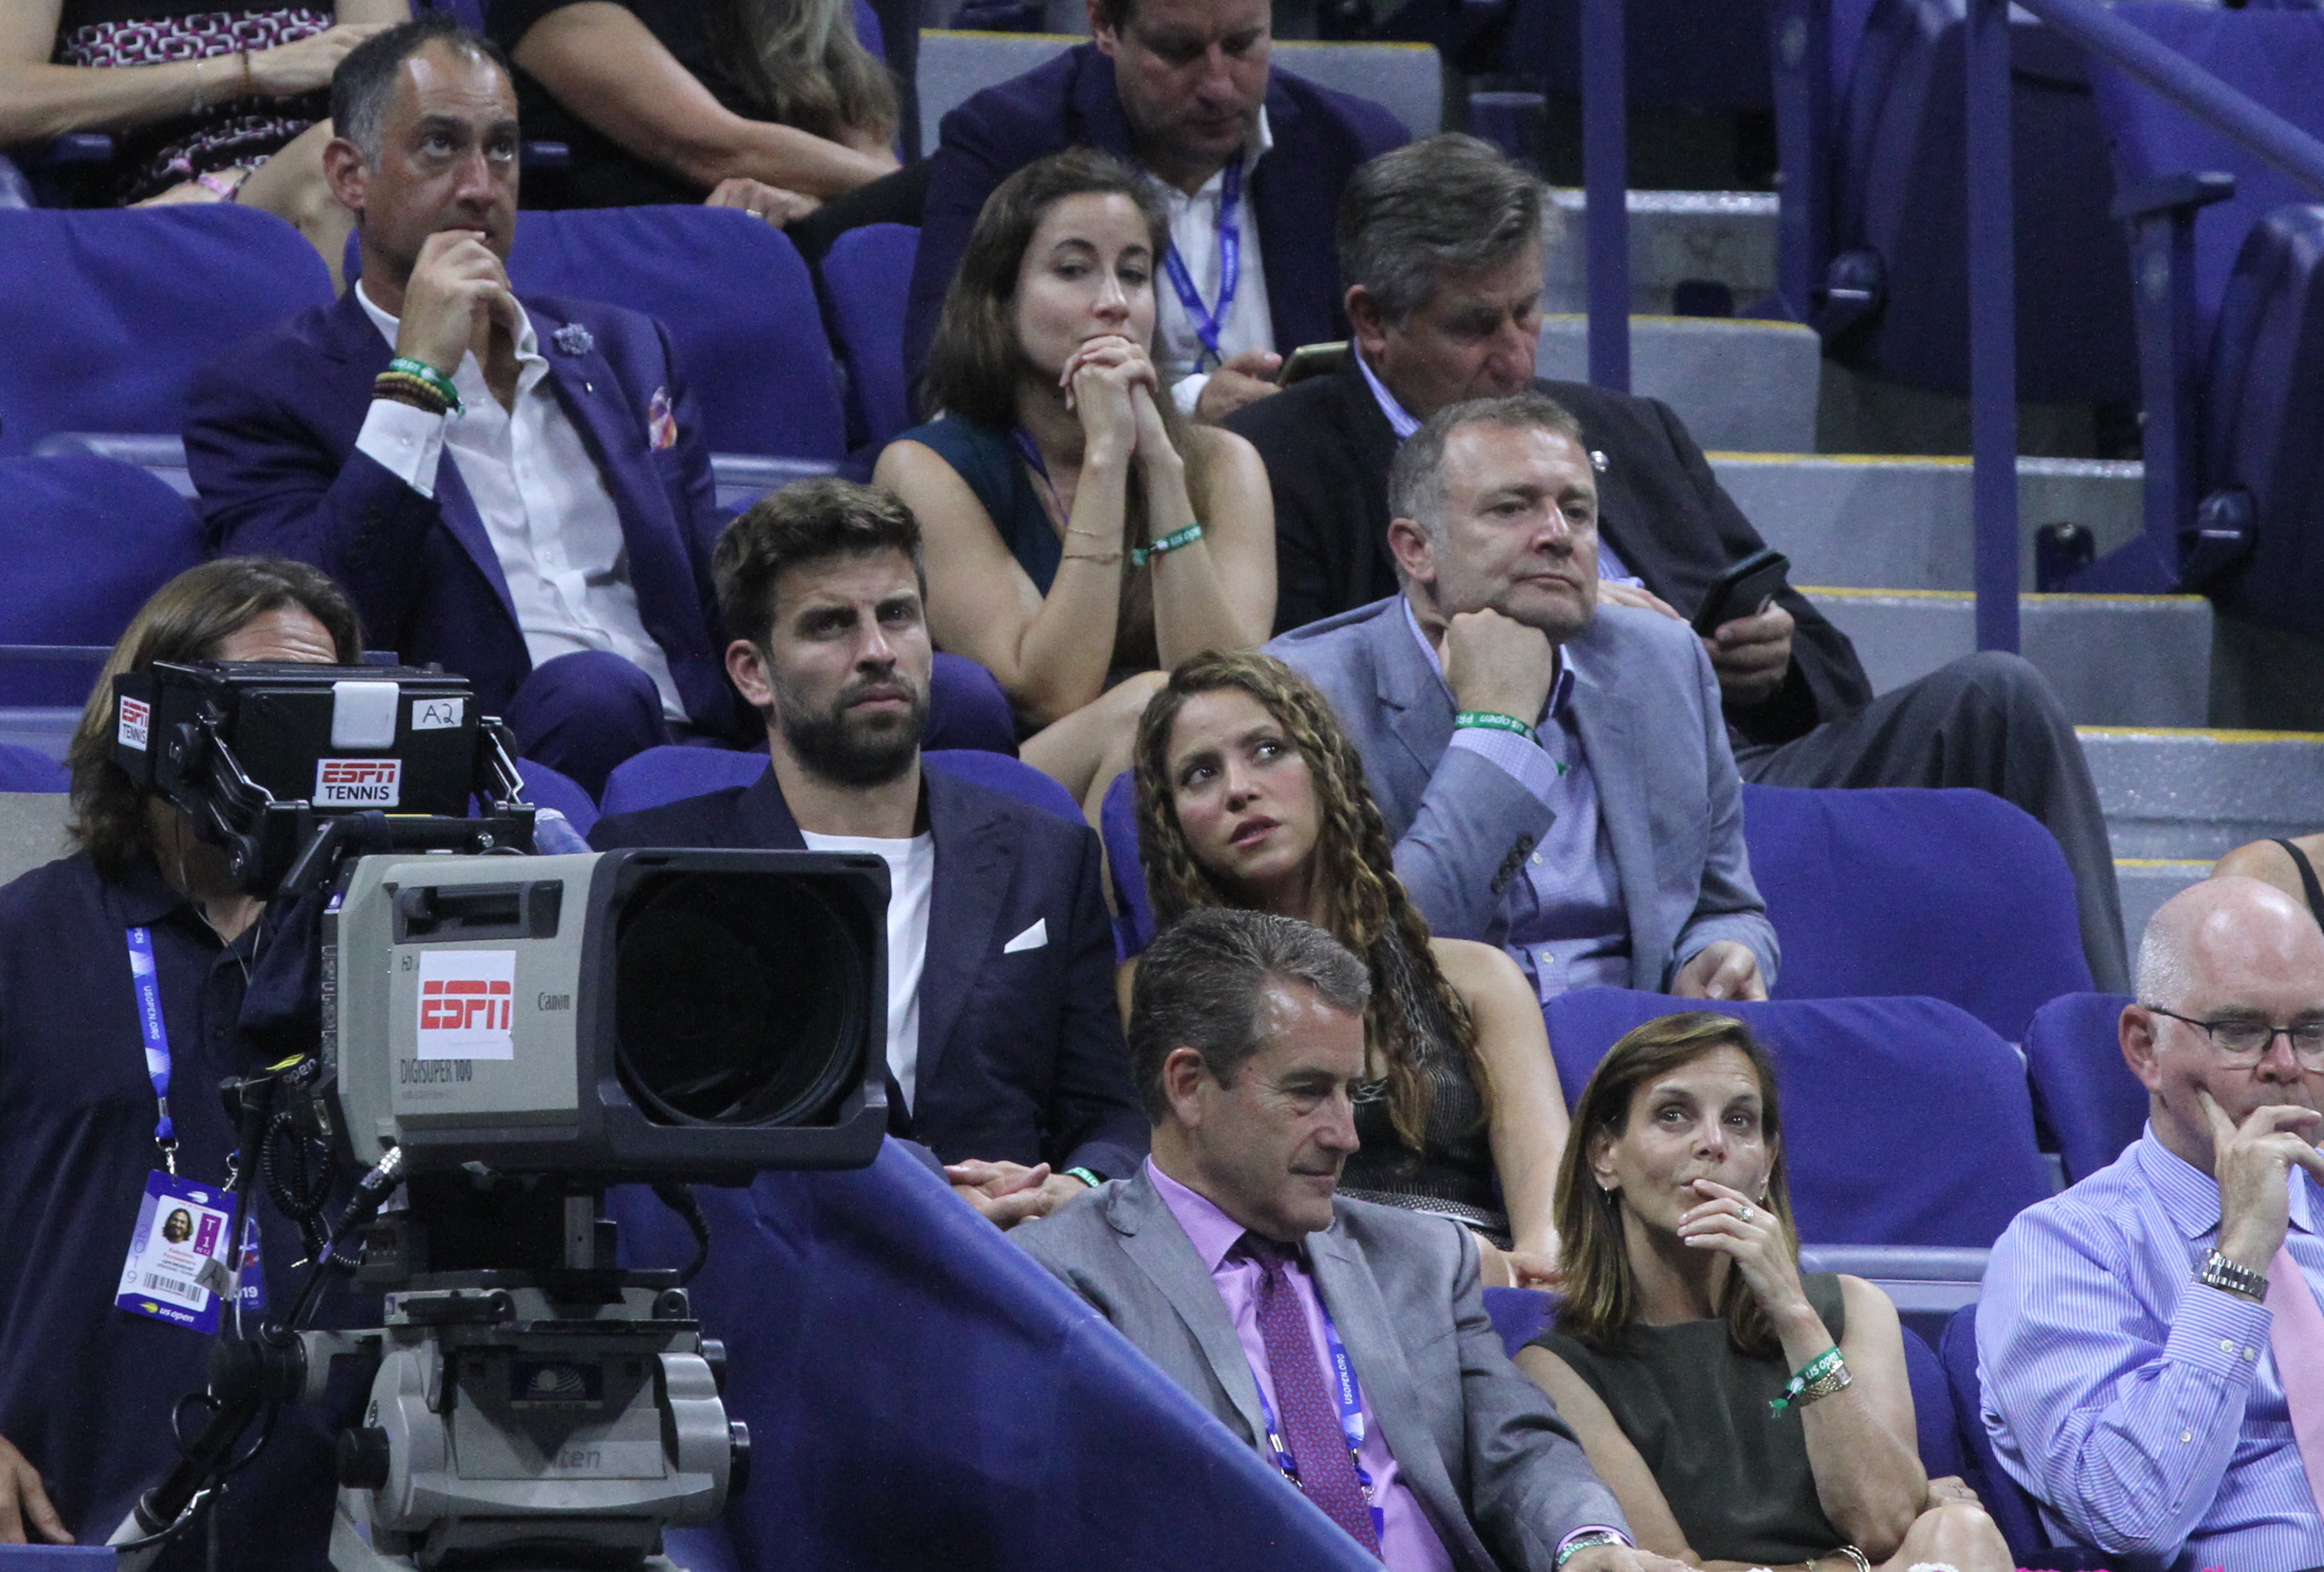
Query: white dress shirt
1179	354
911	887
545	507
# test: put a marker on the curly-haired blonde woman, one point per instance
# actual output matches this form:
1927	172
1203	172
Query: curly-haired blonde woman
1249	795
1745	1416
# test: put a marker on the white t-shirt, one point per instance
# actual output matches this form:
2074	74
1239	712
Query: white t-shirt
912	879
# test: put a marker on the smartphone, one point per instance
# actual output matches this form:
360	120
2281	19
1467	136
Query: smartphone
1742	590
1312	360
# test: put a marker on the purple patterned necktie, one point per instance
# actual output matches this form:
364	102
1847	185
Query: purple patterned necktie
1304	1405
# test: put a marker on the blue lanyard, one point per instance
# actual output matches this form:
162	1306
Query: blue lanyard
1351	1399
147	980
1207	323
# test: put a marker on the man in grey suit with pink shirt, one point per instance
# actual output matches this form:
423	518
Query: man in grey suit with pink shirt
1346	1343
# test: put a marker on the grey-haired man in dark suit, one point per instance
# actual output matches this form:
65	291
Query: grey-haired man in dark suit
1346	1343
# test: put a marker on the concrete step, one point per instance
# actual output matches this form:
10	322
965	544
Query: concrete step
1739	385
2115	660
2146	882
1865	521
2179	794
1722	236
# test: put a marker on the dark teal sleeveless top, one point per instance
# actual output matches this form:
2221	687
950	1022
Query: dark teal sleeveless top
1737	1476
983	458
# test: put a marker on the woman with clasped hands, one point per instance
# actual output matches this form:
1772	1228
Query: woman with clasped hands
1082	538
1744	1415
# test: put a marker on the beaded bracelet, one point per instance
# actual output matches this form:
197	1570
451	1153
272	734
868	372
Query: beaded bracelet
1493	720
428	374
1185	537
1815	1370
406	389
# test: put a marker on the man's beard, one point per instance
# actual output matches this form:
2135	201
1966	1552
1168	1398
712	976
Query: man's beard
845	749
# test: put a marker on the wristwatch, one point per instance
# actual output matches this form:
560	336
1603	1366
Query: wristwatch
2217	1271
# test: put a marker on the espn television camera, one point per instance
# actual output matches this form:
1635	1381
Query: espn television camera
501	1037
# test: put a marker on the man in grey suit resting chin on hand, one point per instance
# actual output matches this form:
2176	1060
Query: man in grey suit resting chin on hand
1555	769
1346	1343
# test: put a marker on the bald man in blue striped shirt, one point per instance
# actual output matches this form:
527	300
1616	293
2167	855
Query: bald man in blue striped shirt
2133	1335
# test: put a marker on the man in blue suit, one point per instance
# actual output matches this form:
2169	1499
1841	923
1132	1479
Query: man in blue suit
517	489
1183	90
1004	1042
1555	769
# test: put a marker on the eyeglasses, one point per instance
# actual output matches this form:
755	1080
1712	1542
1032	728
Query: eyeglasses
2246	1042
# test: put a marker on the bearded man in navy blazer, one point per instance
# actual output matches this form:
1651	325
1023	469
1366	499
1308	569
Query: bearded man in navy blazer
519	490
1248	161
1004	1042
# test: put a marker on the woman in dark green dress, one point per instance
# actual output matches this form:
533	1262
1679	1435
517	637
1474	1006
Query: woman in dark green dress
1745	1416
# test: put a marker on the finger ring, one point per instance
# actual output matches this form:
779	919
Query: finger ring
1747	1214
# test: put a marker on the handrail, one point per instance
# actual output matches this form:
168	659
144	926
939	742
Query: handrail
2152	561
1605	183
2264	133
1805	113
1992	324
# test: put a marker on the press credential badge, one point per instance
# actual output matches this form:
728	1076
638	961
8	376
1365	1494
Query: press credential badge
180	1259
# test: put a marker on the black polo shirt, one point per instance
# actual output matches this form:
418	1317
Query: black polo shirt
87	1389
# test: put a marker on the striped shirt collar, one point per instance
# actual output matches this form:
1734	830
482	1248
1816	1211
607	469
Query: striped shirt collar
2191	1198
1399	418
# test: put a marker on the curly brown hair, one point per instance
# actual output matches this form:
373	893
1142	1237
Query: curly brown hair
1363	903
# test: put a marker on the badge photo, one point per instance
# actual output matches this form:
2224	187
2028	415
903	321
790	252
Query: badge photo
179	1259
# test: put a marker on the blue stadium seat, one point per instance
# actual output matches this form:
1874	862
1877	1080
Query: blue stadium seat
1905	1120
25	769
106	313
867	274
548	788
86	540
735	297
1900	212
2083	1089
1133	923
2014	1511
2238	335
1954	894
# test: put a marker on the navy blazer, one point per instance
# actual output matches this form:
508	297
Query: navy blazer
1021	1055
271	441
1320	137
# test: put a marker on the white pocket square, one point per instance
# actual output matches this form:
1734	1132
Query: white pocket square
1033	937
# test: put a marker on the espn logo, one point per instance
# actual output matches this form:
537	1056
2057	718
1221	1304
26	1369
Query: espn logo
465	1005
137	715
358	782
467	1001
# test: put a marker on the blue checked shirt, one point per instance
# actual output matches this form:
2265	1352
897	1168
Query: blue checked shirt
2142	1407
1567	925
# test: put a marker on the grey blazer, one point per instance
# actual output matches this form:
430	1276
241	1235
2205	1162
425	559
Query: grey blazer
1646	706
1481	1446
